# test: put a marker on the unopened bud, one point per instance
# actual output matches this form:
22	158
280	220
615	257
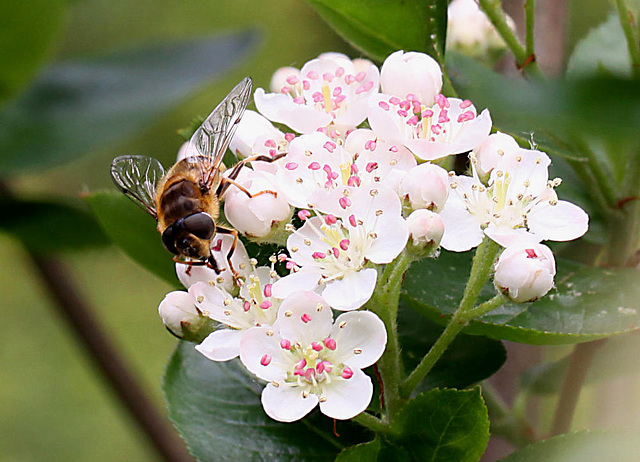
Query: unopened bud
181	317
425	230
525	272
426	186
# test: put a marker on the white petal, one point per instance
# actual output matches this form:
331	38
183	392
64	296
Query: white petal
304	317
211	299
221	345
507	237
346	398
561	222
391	240
286	404
302	280
352	291
361	331
462	230
259	343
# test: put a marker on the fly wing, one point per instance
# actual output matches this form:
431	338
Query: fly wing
212	138
138	177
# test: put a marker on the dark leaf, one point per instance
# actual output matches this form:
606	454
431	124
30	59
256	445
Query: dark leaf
589	303
46	226
380	28
443	425
78	106
134	232
28	31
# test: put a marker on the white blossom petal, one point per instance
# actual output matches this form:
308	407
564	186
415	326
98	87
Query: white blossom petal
561	222
348	398
352	291
221	345
361	337
287	404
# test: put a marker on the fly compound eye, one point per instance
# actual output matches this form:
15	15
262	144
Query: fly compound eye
168	239
200	225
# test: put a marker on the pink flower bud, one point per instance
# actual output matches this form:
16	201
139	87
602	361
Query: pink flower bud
412	73
524	272
426	186
425	227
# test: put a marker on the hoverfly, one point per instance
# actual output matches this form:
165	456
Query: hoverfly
185	201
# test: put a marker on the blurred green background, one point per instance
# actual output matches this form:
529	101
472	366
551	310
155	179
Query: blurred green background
53	406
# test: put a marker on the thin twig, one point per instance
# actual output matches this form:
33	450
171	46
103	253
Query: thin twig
574	379
106	358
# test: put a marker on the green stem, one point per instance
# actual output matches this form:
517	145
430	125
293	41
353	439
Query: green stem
371	422
484	308
524	61
503	420
530	19
385	304
480	272
632	43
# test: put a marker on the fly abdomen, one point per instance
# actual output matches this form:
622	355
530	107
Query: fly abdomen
179	200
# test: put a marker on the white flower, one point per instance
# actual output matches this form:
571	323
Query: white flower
360	225
518	204
254	307
308	360
220	246
426	186
425	228
411	73
525	272
327	93
260	217
470	31
316	165
181	316
451	126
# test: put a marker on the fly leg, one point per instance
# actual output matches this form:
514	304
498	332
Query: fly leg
229	180
232	249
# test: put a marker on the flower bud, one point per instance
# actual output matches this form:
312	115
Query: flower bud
426	186
425	230
411	73
524	272
284	79
262	216
492	150
181	317
469	31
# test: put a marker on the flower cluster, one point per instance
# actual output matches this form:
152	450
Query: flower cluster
359	180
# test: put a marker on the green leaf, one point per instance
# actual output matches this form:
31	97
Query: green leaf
602	51
46	226
584	446
78	106
589	303
364	452
468	360
28	31
380	28
443	425
560	110
134	232
216	407
614	358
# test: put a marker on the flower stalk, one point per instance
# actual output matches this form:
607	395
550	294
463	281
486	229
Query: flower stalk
480	273
524	61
